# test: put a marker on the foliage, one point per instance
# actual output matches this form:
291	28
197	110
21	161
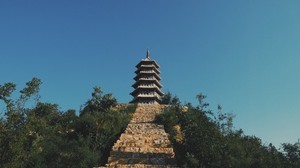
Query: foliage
99	102
169	99
292	154
204	139
44	136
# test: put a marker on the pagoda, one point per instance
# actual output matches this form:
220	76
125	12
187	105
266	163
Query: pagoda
147	87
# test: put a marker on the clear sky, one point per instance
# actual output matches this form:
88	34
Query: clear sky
243	55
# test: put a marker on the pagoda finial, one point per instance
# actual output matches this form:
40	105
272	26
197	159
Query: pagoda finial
148	54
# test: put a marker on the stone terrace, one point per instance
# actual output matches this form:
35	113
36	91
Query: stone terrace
144	144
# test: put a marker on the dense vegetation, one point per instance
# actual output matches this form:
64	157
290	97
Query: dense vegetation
207	140
44	136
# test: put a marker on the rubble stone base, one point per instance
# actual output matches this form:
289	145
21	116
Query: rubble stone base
144	144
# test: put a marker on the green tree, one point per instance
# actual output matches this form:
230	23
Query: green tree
95	123
208	140
292	154
99	102
169	99
5	92
44	136
32	89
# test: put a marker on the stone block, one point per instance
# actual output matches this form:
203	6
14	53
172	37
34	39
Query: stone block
143	143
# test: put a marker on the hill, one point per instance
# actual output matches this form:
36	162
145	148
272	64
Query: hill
45	136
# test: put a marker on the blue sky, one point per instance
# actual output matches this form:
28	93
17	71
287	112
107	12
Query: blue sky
243	55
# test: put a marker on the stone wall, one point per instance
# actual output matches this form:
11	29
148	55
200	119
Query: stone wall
144	143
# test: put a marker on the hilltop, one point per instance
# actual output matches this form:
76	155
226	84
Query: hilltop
45	136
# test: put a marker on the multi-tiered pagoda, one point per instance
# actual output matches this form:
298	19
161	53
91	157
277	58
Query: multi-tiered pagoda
147	82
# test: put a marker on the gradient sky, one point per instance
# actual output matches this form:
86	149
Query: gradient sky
243	55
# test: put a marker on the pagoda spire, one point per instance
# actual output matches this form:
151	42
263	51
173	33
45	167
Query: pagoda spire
148	54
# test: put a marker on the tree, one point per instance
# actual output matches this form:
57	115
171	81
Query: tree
292	154
95	123
208	140
5	92
169	99
107	102
201	99
99	102
45	136
32	89
166	98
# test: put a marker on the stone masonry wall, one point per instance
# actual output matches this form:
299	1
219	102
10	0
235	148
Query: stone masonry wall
144	144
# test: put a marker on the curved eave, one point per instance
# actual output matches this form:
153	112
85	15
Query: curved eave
148	96
151	67
147	62
138	76
140	89
157	83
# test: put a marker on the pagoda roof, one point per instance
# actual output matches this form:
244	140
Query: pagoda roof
141	99
141	80
151	66
139	76
147	85
147	61
140	89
